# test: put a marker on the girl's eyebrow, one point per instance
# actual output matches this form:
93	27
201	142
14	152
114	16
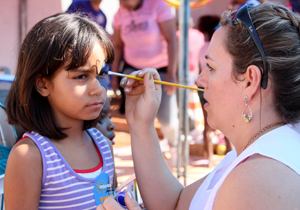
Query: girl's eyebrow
82	70
86	69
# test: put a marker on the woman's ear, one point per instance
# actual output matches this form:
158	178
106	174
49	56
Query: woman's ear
42	85
252	81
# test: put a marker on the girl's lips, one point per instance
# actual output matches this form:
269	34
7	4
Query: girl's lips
96	105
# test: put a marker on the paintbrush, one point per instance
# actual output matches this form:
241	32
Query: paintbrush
155	81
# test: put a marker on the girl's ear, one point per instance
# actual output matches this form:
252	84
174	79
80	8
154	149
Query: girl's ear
252	80
42	85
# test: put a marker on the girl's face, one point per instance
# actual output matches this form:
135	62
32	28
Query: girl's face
77	94
221	90
130	4
105	125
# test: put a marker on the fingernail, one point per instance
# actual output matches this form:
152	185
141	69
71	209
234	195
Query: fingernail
126	89
122	82
149	75
129	194
139	71
127	82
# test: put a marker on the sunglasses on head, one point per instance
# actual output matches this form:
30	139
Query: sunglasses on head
243	16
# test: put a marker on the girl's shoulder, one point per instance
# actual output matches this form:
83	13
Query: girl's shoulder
23	172
26	150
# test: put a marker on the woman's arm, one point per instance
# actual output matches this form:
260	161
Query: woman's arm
118	47
158	187
23	176
168	29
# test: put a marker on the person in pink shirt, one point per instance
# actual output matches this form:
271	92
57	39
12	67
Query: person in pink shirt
145	36
196	41
207	25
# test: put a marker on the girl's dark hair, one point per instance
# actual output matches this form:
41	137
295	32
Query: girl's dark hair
278	30
208	23
55	41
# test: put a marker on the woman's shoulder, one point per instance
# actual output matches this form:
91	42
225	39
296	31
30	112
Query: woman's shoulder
259	183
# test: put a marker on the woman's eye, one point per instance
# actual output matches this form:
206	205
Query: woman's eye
81	77
209	67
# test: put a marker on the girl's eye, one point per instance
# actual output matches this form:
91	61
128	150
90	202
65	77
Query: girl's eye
81	77
209	67
102	116
102	74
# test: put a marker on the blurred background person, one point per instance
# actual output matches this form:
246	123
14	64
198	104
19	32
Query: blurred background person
90	8
196	41
236	4
105	125
294	5
145	36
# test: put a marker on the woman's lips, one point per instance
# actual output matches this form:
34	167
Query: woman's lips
205	105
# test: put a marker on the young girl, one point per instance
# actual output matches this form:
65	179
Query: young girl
56	97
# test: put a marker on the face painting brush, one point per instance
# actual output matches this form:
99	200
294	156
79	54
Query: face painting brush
155	81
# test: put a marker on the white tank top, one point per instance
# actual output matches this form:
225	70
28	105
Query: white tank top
281	144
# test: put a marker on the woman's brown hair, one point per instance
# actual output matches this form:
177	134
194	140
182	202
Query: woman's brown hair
278	30
61	39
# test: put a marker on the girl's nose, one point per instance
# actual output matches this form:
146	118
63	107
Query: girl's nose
96	87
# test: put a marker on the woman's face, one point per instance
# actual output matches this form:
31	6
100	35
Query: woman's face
130	4
224	97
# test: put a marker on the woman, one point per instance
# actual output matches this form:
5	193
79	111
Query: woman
145	35
253	94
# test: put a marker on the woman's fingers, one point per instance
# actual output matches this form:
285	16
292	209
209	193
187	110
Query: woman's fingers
131	203
111	204
128	83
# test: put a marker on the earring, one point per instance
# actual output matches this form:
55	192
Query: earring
246	117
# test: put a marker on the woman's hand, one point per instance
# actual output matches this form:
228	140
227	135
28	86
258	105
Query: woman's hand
111	203
142	97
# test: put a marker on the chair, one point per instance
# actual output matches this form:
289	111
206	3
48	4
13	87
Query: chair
5	83
8	134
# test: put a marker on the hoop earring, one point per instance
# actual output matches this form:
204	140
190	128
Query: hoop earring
246	117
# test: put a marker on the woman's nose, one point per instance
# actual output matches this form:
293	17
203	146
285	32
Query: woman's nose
201	79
